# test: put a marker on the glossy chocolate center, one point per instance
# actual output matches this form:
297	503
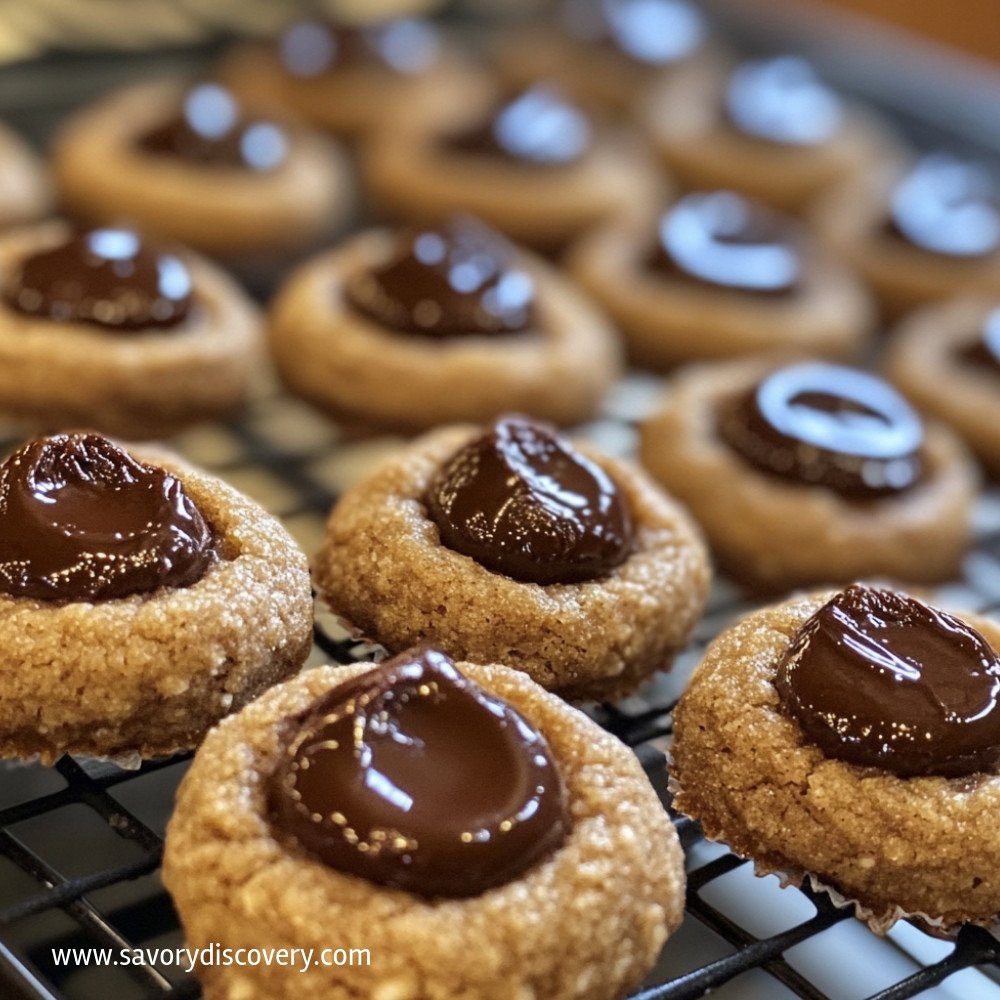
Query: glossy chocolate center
878	679
310	49
947	206
413	776
824	425
459	279
81	520
782	100
210	131
722	239
539	127
654	32
108	277
523	502
984	352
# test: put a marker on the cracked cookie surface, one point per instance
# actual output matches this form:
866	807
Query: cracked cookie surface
152	672
382	566
746	772
585	924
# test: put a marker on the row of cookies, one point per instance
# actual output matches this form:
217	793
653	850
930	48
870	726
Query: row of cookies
795	718
540	163
104	329
507	544
761	289
445	135
526	812
749	437
264	779
145	601
524	163
286	880
841	776
846	738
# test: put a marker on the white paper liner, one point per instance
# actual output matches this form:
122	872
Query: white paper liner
356	634
129	760
879	923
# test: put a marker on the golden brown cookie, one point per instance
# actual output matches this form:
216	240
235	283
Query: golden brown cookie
105	329
190	164
944	358
769	129
597	580
754	777
140	601
532	164
25	188
718	276
385	310
587	921
607	54
917	232
812	473
345	79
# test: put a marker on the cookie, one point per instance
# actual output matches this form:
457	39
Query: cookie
189	164
512	545
918	233
532	164
140	601
946	358
571	898
853	738
810	472
463	326
716	275
607	54
107	329
769	129
25	187
345	79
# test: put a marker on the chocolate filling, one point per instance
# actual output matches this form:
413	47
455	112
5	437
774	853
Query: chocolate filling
724	240
538	127
878	679
112	278
82	520
523	502
414	777
457	279
823	425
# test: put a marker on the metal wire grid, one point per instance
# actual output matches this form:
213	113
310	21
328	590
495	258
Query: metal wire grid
80	844
51	898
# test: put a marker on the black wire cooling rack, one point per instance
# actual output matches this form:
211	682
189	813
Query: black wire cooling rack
81	842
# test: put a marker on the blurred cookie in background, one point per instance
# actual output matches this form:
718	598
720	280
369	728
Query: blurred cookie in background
769	128
921	232
344	77
533	163
190	163
716	275
812	473
108	329
946	358
606	53
404	330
